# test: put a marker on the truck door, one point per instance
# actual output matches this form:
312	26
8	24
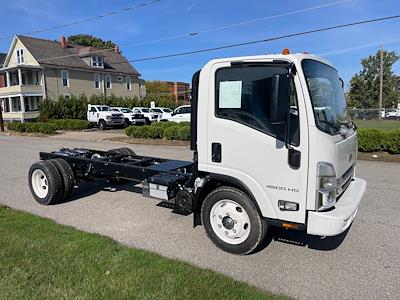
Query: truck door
245	143
93	115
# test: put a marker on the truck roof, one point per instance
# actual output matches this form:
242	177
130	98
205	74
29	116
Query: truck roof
296	57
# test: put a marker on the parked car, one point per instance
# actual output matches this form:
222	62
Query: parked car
393	114
103	116
180	114
129	116
149	116
164	111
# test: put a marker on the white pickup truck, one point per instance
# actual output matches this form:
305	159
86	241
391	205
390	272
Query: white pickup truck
103	116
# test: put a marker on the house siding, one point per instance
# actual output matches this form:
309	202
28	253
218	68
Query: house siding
82	82
28	58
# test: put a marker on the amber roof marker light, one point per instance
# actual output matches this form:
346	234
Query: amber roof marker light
285	51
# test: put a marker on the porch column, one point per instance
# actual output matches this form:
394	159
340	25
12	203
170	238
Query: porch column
10	104
19	77
7	78
21	99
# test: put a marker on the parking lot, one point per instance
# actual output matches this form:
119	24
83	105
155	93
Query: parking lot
362	263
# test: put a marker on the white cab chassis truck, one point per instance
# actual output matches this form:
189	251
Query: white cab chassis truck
103	116
273	146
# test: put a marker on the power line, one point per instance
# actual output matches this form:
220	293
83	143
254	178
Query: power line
238	24
210	29
108	14
263	40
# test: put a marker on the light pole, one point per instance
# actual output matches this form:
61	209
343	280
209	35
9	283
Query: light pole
381	84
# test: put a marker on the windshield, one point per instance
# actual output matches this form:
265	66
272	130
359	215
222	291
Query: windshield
126	110
327	96
156	110
104	108
167	110
146	110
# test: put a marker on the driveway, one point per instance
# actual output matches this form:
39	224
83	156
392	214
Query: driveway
363	263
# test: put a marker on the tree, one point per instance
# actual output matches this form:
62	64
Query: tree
159	92
364	86
89	40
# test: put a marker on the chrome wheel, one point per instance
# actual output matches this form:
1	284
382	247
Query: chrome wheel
230	221
39	183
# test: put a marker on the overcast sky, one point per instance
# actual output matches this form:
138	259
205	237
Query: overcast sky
168	18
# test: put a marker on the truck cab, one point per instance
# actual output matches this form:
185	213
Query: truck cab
276	127
103	116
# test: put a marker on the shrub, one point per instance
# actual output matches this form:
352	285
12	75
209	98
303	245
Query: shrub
71	124
46	128
370	139
171	133
155	132
158	130
391	141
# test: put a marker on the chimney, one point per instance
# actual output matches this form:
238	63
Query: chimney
63	42
116	49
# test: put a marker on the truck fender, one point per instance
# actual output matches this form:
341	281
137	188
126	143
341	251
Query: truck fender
211	182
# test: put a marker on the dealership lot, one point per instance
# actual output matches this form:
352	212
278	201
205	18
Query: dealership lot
364	263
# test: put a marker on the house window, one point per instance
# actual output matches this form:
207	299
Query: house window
65	77
96	81
20	56
128	83
67	96
119	78
97	61
108	82
37	78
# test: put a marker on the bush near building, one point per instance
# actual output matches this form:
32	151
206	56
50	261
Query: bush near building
161	130
38	127
70	124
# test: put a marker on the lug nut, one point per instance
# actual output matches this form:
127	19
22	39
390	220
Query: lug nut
219	226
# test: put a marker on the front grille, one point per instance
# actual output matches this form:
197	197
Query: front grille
344	181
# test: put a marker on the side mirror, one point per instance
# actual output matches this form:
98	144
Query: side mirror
279	98
342	82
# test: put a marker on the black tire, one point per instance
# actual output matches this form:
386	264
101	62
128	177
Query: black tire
102	125
123	151
127	123
147	121
258	226
67	176
53	179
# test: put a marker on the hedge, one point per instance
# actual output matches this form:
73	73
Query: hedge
47	128
71	124
370	140
161	130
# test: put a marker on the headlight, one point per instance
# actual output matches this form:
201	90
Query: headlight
326	186
108	117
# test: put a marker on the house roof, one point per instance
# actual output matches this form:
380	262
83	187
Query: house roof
2	58
42	50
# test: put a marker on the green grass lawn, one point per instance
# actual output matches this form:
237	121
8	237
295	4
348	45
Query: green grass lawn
40	259
378	124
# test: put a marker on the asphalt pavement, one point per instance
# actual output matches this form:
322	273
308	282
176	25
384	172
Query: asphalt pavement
363	263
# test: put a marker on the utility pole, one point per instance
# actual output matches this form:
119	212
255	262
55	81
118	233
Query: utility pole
381	84
1	118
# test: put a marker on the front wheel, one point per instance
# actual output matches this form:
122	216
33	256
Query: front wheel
232	221
102	125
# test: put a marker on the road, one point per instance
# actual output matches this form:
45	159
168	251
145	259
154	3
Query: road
364	263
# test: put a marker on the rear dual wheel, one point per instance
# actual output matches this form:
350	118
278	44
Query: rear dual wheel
51	181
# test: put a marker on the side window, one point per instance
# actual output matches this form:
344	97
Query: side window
178	111
93	109
243	94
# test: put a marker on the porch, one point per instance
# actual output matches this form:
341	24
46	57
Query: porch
20	108
21	80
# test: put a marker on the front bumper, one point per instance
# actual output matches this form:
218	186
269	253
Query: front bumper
336	221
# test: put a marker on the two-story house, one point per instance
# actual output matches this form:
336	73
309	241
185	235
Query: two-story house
35	69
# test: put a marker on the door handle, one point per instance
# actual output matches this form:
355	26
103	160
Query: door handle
216	152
